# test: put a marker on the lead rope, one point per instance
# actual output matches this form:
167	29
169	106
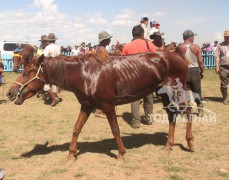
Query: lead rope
34	78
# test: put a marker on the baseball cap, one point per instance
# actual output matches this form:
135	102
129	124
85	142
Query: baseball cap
154	23
188	33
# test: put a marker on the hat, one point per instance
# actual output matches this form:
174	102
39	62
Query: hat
43	38
104	35
51	37
188	33
158	33
226	33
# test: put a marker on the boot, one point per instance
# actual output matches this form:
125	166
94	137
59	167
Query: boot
54	98
200	110
225	96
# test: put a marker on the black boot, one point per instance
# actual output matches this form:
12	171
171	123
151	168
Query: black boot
54	98
225	96
200	110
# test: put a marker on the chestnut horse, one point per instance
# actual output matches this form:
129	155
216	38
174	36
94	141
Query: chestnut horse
23	57
105	84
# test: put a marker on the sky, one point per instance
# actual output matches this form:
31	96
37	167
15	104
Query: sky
74	22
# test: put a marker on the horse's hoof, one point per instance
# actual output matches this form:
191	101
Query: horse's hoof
191	149
168	148
120	158
71	158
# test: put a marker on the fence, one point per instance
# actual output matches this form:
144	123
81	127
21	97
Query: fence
7	59
209	60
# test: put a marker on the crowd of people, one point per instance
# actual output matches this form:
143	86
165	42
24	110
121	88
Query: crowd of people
209	48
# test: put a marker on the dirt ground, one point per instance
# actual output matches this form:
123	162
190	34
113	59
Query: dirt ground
34	141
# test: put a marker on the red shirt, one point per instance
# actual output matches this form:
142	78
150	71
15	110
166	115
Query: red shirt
138	46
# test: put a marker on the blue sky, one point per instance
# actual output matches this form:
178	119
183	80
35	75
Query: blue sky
76	21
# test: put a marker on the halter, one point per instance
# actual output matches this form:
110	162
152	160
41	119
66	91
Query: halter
34	78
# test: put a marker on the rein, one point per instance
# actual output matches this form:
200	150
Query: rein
34	78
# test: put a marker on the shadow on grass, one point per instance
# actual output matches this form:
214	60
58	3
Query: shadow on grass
104	147
215	99
182	147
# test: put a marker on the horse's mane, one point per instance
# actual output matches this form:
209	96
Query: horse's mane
56	71
56	66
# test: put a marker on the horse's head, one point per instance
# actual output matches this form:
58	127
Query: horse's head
118	49
23	57
29	81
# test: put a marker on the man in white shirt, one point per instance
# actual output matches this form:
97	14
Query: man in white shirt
52	50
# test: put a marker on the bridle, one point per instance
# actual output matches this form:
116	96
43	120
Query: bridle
36	77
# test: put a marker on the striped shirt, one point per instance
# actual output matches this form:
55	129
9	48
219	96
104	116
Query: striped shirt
222	51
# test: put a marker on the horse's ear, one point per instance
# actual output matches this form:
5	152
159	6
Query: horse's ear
41	58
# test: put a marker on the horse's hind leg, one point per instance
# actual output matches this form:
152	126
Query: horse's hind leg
172	121
109	110
85	111
189	136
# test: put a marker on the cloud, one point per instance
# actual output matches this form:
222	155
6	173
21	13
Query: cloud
126	18
218	36
46	5
23	26
154	16
95	18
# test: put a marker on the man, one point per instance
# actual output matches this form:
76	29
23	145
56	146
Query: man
155	27
140	45
102	54
52	50
157	40
144	24
195	67
44	43
104	41
222	65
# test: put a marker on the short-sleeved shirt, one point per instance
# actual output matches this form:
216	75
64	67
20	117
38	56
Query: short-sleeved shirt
52	50
222	51
138	46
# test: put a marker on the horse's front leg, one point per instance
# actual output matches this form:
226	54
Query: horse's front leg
109	110
189	136
85	112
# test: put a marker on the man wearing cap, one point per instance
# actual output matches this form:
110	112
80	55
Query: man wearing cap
102	54
195	67
140	45
52	50
44	43
222	65
155	27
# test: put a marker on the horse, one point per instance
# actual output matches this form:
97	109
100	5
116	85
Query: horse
118	49
171	47
23	57
106	84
